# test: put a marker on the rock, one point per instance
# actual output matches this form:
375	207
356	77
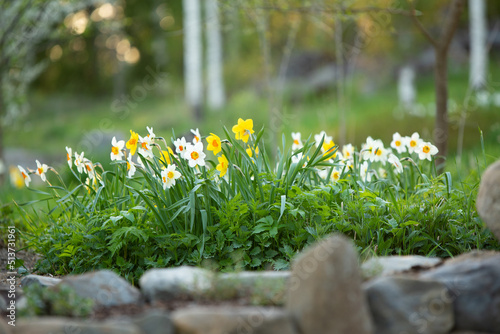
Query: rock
40	280
277	323
488	198
408	305
474	289
5	328
469	332
324	291
154	322
58	325
168	283
105	287
216	320
385	265
261	287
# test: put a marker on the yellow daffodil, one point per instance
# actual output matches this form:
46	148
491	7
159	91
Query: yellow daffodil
214	144
243	129
165	156
328	147
132	142
18	179
223	165
250	153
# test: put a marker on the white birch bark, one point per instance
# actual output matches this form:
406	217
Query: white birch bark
193	54
215	80
478	41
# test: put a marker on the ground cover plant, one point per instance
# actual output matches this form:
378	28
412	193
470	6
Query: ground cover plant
226	204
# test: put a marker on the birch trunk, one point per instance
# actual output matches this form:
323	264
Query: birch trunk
478	41
215	81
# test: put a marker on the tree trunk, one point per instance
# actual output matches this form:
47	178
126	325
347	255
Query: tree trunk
441	87
215	83
478	41
339	57
193	57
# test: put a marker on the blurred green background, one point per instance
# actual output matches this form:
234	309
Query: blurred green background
280	67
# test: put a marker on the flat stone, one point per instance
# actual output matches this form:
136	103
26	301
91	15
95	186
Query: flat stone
324	292
169	283
40	280
407	305
262	287
488	198
474	289
386	265
154	322
281	323
58	325
217	320
468	332
105	287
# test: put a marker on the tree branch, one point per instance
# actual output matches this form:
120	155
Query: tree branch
420	27
451	25
13	23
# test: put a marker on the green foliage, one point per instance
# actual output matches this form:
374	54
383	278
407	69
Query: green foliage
55	301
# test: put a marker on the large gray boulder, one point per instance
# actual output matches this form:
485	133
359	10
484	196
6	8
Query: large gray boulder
324	292
474	289
407	305
488	198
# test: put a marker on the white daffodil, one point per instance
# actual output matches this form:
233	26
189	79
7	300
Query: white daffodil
180	146
321	135
79	163
151	133
380	153
195	155
116	149
382	173
396	163
197	136
89	168
413	142
398	143
297	142
26	176
426	150
41	169
69	154
169	175
364	173
348	151
145	148
296	158
336	174
130	167
369	149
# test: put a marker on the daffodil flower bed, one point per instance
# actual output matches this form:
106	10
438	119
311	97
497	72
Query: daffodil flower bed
225	203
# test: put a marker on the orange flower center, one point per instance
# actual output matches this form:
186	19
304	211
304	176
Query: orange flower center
181	148
426	149
296	142
195	155
24	175
132	141
145	146
128	165
68	156
398	143
170	175
40	170
164	179
88	168
413	143
379	152
197	138
114	150
214	143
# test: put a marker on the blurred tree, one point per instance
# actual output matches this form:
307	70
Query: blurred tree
193	57
478	44
215	81
24	24
441	46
